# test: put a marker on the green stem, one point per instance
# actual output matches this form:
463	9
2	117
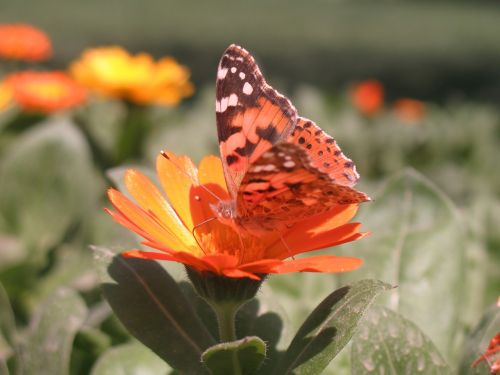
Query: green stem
226	313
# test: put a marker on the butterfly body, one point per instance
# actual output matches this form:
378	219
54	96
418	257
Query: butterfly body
279	168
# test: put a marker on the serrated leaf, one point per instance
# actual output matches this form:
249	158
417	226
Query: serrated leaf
237	357
130	359
477	342
48	185
329	328
47	346
154	309
417	243
387	343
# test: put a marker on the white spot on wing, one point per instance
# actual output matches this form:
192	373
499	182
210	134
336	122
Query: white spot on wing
242	75
289	164
233	70
217	106
247	88
233	100
223	104
221	74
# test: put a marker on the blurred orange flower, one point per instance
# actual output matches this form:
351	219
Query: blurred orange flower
112	71
409	111
45	91
368	96
491	355
5	96
177	224
24	42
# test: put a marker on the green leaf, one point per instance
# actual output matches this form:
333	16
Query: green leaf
329	328
48	185
417	243
130	359
237	357
154	309
47	345
477	342
387	343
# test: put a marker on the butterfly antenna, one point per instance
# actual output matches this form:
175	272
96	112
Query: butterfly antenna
286	247
165	155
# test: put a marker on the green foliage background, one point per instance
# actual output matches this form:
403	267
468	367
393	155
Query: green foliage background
434	219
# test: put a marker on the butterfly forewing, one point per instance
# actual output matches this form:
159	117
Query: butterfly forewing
251	115
324	152
283	186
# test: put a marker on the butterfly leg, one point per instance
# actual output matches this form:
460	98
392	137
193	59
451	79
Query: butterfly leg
196	227
289	251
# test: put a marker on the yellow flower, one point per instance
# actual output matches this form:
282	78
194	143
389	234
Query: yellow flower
5	96
112	71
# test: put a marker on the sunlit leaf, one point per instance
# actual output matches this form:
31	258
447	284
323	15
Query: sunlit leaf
329	328
130	359
417	243
47	345
387	343
48	184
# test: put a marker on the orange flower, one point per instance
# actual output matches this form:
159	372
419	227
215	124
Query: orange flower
368	96
491	355
24	42
112	71
176	225
45	91
409	111
5	96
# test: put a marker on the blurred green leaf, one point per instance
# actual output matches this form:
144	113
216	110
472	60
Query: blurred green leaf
417	243
130	359
12	252
8	336
387	343
237	357
48	185
154	309
477	342
329	328
47	345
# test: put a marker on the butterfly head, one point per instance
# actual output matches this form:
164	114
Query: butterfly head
225	211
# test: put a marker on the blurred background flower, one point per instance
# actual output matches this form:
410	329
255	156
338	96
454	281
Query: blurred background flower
409	111
45	92
5	96
24	42
112	71
368	96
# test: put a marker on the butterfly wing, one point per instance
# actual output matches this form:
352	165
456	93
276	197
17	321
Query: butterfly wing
284	186
324	152
251	115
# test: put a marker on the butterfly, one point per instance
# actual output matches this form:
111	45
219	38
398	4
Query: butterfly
279	168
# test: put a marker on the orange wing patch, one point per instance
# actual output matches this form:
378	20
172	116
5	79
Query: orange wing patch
324	152
283	187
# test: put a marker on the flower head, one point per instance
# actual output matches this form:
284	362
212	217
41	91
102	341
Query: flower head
409	111
112	71
368	97
45	92
24	42
181	227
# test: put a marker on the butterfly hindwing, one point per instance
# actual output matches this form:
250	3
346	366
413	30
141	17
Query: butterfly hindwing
324	152
284	186
251	115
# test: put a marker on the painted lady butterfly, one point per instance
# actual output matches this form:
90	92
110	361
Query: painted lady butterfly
279	168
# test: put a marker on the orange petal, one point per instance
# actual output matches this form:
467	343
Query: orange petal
238	274
336	217
147	225
320	263
211	174
151	200
177	174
